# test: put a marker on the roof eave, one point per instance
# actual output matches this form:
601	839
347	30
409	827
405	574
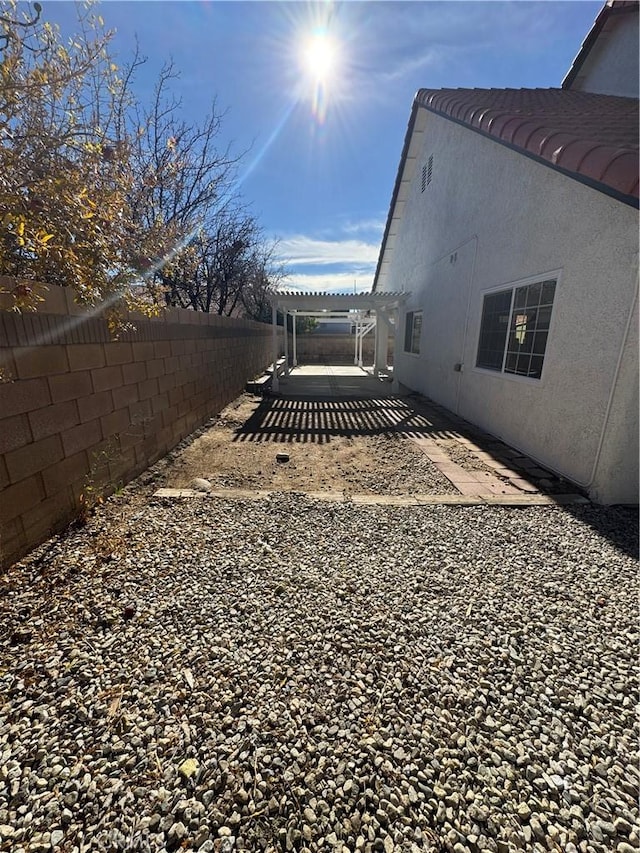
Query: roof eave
604	15
398	182
581	177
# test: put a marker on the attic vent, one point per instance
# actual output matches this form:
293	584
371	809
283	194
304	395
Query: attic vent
427	174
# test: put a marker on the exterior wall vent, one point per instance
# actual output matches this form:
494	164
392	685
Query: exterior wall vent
427	174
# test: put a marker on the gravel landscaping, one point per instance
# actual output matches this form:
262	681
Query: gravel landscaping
289	674
238	449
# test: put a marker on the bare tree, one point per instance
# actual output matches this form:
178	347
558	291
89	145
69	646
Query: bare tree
227	270
182	173
267	273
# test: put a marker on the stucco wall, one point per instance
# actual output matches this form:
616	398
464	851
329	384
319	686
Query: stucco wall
490	218
611	68
81	413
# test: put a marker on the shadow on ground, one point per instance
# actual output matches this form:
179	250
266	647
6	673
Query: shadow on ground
317	420
302	420
619	525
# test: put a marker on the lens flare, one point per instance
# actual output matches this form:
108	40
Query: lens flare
320	57
319	60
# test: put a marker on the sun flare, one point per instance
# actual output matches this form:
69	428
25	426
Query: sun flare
319	57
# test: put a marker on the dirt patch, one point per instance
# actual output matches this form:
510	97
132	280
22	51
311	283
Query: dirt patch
234	454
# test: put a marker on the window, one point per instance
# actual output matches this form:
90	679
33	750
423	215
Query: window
412	330
515	327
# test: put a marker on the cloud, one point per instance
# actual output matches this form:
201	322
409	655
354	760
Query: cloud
407	67
365	226
401	42
300	250
333	264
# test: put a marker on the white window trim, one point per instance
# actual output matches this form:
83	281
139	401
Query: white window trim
521	282
407	352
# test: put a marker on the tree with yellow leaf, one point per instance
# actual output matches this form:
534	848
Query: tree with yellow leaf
65	180
125	203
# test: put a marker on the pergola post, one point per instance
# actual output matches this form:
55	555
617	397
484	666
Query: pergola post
276	352
286	343
397	343
381	344
295	345
368	311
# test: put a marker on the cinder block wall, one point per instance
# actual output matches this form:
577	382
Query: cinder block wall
335	349
81	413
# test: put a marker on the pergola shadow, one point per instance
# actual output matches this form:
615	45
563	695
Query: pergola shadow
319	419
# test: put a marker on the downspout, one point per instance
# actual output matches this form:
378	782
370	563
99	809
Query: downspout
587	485
614	385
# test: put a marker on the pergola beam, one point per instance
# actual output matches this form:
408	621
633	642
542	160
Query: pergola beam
330	302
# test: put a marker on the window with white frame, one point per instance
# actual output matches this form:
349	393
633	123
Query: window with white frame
515	327
412	330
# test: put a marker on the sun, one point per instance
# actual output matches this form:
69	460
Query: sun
319	57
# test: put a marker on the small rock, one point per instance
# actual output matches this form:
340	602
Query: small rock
480	814
188	768
201	485
177	832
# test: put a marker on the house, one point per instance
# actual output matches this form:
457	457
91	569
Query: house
513	230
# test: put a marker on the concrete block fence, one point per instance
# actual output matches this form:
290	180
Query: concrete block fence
335	349
81	413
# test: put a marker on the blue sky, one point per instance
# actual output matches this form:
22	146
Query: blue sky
320	180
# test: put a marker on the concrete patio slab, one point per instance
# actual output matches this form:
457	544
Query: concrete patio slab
334	381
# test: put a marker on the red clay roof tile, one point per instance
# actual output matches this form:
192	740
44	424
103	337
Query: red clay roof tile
595	136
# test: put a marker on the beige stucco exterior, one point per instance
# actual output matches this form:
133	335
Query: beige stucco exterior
492	217
611	66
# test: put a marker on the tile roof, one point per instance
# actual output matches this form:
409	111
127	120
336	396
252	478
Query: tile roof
592	138
581	133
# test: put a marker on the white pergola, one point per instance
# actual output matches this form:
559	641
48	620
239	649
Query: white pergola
366	311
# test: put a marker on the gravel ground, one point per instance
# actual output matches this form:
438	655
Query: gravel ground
344	458
296	675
